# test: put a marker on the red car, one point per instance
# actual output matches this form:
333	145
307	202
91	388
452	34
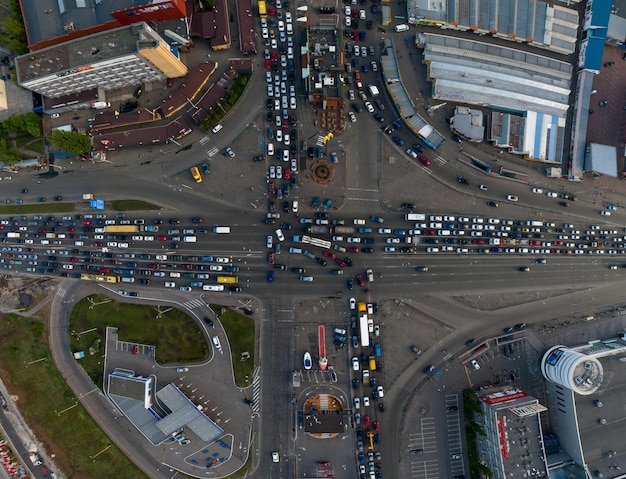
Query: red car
360	280
187	266
287	174
135	349
162	238
430	232
274	56
478	241
558	243
270	258
154	266
70	229
366	421
271	10
104	270
329	254
355	35
376	426
86	223
353	250
341	262
425	161
271	186
97	244
268	64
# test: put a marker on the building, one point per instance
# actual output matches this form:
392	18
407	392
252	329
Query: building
585	392
512	429
122	57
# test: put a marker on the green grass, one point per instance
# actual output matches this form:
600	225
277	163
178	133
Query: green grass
36	145
52	409
48	208
177	337
240	331
131	205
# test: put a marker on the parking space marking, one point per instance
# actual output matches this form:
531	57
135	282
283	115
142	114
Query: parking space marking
428	469
363	199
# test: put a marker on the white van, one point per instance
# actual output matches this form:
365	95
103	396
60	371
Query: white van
403	27
126	279
221	229
189	239
217	128
213	287
78	243
174	275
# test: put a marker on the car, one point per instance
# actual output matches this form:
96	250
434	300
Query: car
493	204
564	204
425	161
551	194
512	197
355	365
524	269
275	457
537	190
475	364
605	213
351	117
463	181
357	403
352	303
457	138
369	107
366	401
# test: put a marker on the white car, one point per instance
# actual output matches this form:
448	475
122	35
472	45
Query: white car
366	374
348	21
281	26
605	213
265	33
279	172
285	155
475	364
380	391
384	231
512	197
269	241
216	267
362	14
537	190
355	363
369	107
280	235
352	303
275	457
347	11
288	17
170	284
294	165
366	401
551	194
222	259
279	136
272	173
352	117
137	238
292	103
357	403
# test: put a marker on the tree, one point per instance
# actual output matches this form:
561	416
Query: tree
27	123
70	141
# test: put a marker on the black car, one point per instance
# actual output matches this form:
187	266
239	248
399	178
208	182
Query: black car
563	203
350	282
492	204
367	250
298	270
355	384
463	181
381	406
234	289
407	206
357	107
369	24
58	198
379	118
208	321
348	261
174	221
321	261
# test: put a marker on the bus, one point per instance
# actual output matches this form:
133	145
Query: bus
365	338
100	277
262	9
121	228
316	241
227	279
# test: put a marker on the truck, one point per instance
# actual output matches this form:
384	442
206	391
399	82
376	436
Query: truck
325	230
12	234
373	89
221	230
344	229
121	228
87	196
35	459
100	105
365	339
415	217
521	242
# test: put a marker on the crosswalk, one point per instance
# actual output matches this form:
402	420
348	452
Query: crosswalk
205	139
194	303
362	194
256	393
61	293
212	152
440	160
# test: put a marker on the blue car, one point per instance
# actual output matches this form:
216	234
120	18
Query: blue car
205	168
398	140
327	204
270	276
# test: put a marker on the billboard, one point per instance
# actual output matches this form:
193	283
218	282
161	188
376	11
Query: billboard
156	11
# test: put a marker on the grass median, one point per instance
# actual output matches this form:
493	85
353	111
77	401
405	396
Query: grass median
240	331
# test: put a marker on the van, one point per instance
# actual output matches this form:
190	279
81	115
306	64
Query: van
221	229
213	287
173	274
79	243
217	128
372	362
189	239
295	250
402	27
126	279
45	242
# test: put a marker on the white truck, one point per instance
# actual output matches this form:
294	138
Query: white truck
100	105
35	459
373	89
415	217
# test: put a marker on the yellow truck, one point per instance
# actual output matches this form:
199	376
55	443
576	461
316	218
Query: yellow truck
195	172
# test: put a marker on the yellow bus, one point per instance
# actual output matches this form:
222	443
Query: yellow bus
361	307
227	279
262	9
195	172
100	277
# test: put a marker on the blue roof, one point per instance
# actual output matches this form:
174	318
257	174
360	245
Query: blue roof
600	13
593	53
